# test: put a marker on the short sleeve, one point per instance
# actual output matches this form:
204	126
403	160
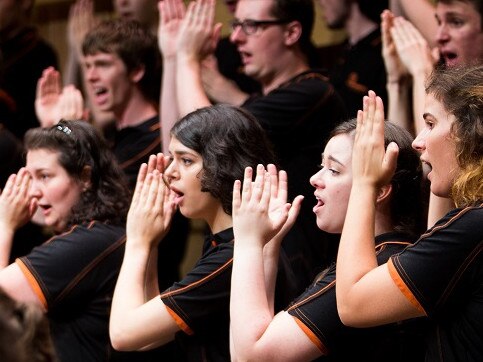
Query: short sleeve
437	270
58	269
203	293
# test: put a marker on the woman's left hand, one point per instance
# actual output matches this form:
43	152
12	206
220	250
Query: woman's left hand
372	164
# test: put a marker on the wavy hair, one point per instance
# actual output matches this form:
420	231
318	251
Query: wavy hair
460	91
78	145
229	139
406	205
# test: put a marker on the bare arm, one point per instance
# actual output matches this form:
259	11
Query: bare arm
398	78
366	293
136	323
197	39
421	14
265	337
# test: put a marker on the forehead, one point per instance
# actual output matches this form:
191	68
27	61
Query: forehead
457	7
340	147
176	147
42	158
254	9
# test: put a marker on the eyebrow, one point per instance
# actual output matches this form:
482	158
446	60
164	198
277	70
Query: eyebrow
332	158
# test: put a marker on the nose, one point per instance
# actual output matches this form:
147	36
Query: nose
419	143
442	35
171	172
34	190
91	73
237	35
317	180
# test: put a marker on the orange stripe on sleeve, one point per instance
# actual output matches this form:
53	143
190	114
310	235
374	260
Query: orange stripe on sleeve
403	287
32	282
313	338
180	322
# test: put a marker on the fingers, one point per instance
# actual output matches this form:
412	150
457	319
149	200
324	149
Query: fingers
143	170
247	185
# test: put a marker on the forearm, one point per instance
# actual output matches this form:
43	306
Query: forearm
226	91
419	95
169	112
250	313
189	87
399	109
356	255
129	293
6	240
271	255
421	14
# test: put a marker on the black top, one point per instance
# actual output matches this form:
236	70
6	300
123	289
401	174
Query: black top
200	303
24	58
358	69
316	313
442	275
298	117
74	275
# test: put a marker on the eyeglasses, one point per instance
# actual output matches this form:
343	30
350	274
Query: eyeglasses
250	26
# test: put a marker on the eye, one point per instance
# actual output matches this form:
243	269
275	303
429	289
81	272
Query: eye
186	161
429	124
456	22
44	176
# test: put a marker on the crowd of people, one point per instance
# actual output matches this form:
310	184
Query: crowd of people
158	120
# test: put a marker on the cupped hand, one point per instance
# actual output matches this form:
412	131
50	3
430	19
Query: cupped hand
16	205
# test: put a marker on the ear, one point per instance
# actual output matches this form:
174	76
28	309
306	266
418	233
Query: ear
85	178
293	32
384	193
137	73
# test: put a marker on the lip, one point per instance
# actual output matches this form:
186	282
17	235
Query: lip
179	196
320	204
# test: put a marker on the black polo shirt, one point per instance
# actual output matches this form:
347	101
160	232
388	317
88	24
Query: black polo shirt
442	275
298	117
358	69
73	275
315	311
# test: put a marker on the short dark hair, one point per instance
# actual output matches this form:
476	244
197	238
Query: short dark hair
298	10
78	145
460	91
134	44
228	139
407	207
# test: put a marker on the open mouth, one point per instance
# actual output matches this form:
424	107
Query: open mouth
450	58
319	204
178	195
45	208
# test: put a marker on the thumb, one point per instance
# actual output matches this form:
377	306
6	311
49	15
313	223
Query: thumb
34	203
390	158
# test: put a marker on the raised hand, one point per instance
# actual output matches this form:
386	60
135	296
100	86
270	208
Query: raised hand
372	164
71	104
412	48
171	15
260	208
47	97
198	37
152	206
395	69
16	206
81	20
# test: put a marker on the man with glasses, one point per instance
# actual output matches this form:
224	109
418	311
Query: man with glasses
298	107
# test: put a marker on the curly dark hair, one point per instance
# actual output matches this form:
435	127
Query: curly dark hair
407	206
228	139
460	91
78	145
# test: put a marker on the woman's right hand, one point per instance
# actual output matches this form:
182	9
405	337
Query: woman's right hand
16	206
171	15
152	206
395	69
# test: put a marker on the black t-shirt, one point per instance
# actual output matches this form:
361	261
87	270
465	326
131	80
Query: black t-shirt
358	69
74	275
298	117
315	311
200	302
442	275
